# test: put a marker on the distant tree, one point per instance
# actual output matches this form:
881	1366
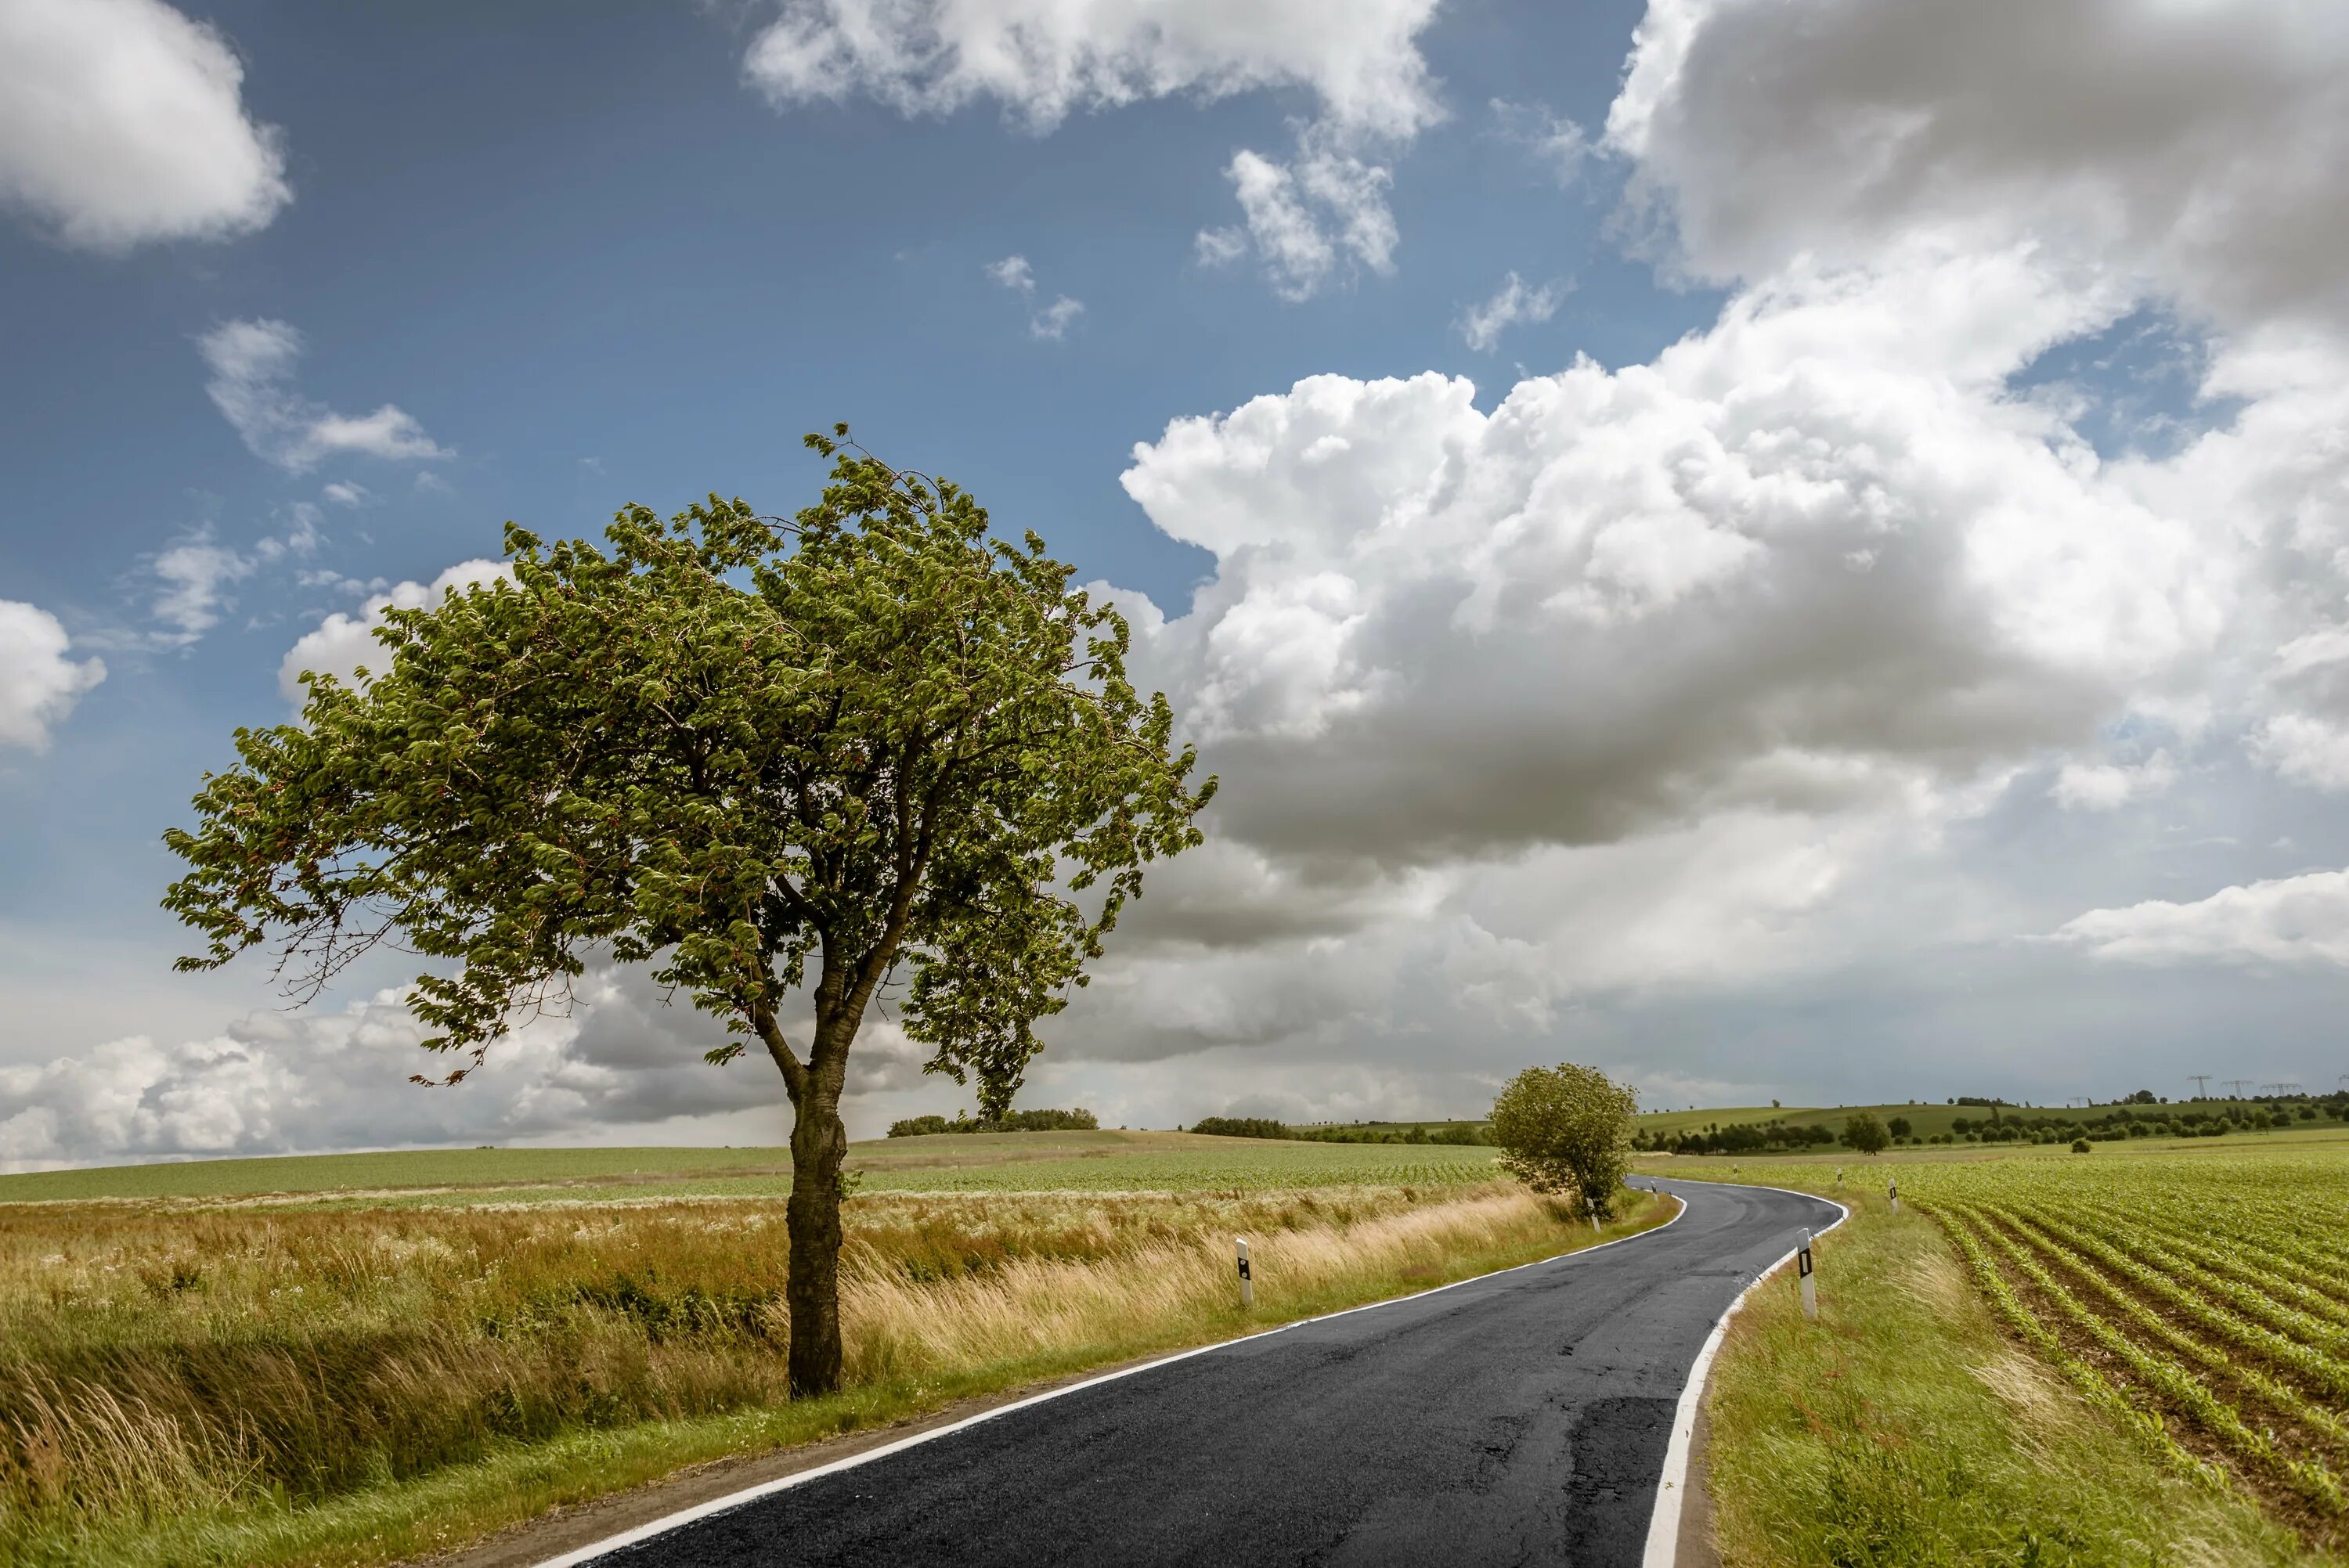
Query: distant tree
2143	1097
1866	1131
1567	1129
920	1126
1240	1127
768	758
1898	1127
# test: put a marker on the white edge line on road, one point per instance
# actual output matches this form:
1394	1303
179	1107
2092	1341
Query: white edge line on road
1671	1487
733	1499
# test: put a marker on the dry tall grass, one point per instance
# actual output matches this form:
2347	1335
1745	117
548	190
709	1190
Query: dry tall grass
160	1361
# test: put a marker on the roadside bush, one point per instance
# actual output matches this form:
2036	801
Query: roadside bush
1567	1129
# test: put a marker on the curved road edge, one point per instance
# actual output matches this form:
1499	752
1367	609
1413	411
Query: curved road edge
1671	1487
684	1516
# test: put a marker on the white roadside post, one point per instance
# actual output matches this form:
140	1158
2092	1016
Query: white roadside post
1892	1190
1248	1286
1810	1286
1591	1203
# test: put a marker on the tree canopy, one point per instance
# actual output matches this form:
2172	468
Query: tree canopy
774	760
1567	1129
1866	1131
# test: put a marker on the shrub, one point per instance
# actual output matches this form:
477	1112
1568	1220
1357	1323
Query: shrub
2081	1146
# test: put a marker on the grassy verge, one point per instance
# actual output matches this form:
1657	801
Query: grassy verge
1906	1427
934	1309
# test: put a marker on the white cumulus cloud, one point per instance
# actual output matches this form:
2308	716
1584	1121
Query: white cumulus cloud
252	365
2300	919
122	123
1759	570
337	1077
38	684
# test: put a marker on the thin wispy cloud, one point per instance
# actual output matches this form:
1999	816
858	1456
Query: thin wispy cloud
1050	323
1512	304
252	366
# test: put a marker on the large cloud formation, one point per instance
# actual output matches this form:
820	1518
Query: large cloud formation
1805	558
315	1080
1680	679
122	123
2196	147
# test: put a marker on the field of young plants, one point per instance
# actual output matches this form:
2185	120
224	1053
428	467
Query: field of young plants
2199	1295
2204	1298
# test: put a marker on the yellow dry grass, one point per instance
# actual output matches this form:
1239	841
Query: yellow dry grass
174	1372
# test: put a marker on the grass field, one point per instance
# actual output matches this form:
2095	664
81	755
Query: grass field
962	1162
363	1359
2184	1300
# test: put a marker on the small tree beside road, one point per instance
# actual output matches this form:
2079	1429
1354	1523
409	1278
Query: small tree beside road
784	762
1866	1131
1566	1129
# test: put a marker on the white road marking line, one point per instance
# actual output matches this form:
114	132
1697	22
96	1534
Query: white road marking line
1671	1487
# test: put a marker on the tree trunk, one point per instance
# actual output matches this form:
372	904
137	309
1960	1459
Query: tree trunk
819	1146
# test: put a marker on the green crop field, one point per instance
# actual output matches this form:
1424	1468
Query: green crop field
974	1162
2197	1290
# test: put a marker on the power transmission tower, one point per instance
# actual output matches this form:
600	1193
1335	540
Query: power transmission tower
2235	1086
2202	1084
2079	1099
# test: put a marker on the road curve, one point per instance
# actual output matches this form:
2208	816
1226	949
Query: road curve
1518	1418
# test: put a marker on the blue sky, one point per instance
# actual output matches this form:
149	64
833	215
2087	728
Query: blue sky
1550	723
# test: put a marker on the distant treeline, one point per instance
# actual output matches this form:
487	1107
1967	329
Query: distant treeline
1748	1137
1354	1132
2137	1119
2142	1115
1018	1121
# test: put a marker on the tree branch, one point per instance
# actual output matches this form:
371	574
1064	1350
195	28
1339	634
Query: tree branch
770	1034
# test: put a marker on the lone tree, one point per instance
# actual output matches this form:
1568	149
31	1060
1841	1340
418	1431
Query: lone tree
1865	1131
1567	1129
784	763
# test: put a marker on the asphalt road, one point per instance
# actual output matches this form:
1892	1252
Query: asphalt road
1519	1418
